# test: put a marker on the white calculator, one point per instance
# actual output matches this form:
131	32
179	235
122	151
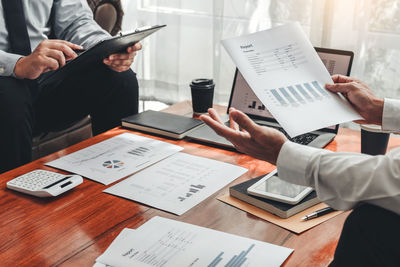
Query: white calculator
42	183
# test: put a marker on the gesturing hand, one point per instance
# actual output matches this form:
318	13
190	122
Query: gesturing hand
360	96
48	55
123	61
257	141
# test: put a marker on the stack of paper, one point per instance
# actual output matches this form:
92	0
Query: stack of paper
164	242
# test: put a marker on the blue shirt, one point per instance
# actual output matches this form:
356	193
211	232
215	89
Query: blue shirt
72	21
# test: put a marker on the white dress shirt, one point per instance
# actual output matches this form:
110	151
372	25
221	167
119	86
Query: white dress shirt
344	179
70	20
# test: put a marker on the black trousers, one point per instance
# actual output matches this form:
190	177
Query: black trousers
104	94
370	237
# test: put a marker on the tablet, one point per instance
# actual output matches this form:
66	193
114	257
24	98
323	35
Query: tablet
272	187
96	54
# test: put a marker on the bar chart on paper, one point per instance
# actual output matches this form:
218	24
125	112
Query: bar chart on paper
299	94
237	260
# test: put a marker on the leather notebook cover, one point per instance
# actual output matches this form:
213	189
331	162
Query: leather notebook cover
162	123
280	209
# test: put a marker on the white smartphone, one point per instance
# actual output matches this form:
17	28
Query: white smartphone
272	187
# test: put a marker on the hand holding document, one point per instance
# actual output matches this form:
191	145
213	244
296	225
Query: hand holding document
115	158
164	242
286	74
177	183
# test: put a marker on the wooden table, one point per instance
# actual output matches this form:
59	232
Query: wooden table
75	228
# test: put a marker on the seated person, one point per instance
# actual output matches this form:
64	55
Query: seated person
342	180
107	91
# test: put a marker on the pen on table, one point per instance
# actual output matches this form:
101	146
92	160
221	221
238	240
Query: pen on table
317	213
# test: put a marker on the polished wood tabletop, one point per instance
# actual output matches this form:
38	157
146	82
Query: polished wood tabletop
76	227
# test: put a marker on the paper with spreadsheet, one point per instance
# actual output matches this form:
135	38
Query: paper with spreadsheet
178	183
284	71
115	158
170	243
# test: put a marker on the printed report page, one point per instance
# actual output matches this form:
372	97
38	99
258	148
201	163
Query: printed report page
286	74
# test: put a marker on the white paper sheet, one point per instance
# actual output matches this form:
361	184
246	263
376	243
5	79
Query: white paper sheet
286	74
164	242
115	158
177	183
120	239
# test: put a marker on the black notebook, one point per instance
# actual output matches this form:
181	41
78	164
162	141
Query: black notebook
277	208
161	123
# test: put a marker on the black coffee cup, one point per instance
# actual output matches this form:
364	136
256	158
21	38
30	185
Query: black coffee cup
373	141
202	95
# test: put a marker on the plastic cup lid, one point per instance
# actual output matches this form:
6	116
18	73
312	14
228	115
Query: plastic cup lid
373	128
202	82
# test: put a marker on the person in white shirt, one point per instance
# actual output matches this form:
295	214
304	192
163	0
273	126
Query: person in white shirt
343	180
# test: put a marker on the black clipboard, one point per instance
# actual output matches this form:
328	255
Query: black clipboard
96	54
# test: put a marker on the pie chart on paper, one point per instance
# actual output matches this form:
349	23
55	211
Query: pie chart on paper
113	164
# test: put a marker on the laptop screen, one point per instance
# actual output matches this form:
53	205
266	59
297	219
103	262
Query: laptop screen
244	99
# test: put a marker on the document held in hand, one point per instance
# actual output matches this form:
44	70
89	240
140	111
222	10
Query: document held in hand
286	74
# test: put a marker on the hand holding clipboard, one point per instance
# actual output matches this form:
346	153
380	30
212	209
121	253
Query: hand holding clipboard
96	54
122	61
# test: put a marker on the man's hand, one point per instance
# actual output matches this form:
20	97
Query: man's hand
257	141
123	61
49	55
360	96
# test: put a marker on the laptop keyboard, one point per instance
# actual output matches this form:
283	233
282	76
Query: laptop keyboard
303	139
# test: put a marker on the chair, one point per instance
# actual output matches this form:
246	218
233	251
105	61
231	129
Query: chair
108	14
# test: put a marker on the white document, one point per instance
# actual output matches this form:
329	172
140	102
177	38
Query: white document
286	74
164	242
115	158
177	183
125	234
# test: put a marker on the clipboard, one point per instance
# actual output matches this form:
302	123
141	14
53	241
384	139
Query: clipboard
96	54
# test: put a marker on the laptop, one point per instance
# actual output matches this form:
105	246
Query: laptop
243	98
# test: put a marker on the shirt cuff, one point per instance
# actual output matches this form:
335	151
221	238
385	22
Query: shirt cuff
292	162
390	117
7	63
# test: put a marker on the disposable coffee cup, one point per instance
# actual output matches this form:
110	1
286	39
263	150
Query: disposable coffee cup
202	95
374	140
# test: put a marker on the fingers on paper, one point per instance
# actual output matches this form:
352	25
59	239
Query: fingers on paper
342	87
338	78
